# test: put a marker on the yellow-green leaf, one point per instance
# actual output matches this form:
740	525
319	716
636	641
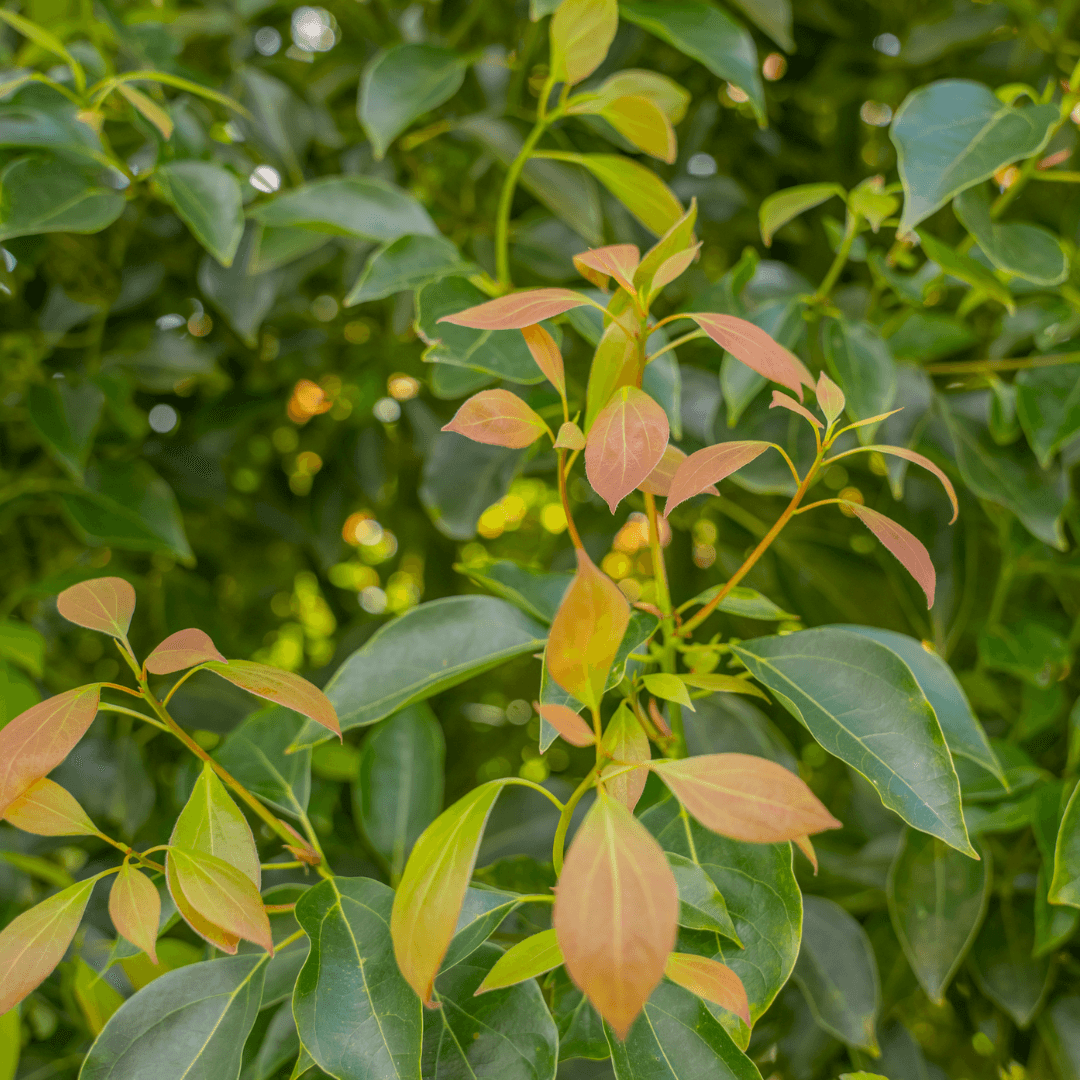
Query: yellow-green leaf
581	34
47	809
525	960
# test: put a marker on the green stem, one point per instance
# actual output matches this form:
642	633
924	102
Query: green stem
1008	363
675	344
564	820
106	707
1061	176
520	781
851	230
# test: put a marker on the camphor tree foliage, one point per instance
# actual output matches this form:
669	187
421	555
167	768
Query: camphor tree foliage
436	355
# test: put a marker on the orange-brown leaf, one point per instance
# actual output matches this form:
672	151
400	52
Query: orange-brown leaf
184	649
104	604
586	632
498	418
627	744
47	809
281	687
625	443
781	400
616	912
926	463
709	466
658	482
907	548
135	909
617	260
518	310
745	797
568	724
547	356
36	741
711	980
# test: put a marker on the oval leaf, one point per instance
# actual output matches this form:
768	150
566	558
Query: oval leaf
616	912
619	261
908	549
708	466
658	482
568	724
624	444
184	649
518	310
781	207
525	960
830	398
47	809
581	34
547	355
570	437
627	744
642	122
219	938
281	687
498	418
104	604
135	909
711	980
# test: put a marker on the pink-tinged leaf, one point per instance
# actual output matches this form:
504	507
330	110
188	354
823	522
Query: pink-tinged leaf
498	418
745	797
625	443
709	466
830	398
781	400
568	724
36	741
518	310
104	604
47	809
280	687
618	261
908	549
547	356
586	633
570	437
616	912
926	463
674	267
658	482
135	909
754	347
627	744
711	980
807	848
184	649
222	895
208	931
33	943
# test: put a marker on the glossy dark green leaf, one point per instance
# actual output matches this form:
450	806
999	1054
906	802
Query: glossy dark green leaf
1054	924
955	133
937	902
746	603
44	195
502	1035
407	263
481	913
430	648
1065	884
243	297
279	1046
207	197
535	592
1059	1026
701	907
581	1031
284	966
401	84
356	1014
1028	649
1048	407
54	126
399	789
929	335
65	416
862	364
675	1038
254	753
189	1024
862	703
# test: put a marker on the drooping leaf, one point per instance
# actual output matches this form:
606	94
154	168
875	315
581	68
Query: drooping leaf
536	955
782	401
498	418
355	1013
281	687
756	349
518	310
184	649
626	742
862	364
1048	408
618	261
47	809
926	463
711	980
405	264
547	356
706	467
1065	883
701	907
568	724
862	703
207	197
636	186
104	604
135	909
65	415
624	444
780	207
581	33
907	548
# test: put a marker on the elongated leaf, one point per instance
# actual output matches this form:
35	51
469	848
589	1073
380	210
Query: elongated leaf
106	604
926	463
625	444
518	310
1065	884
47	809
1001	961
135	909
701	907
581	33
189	1024
756	349
568	724
482	912
969	270
280	687
217	936
498	418
547	355
748	603
616	912
937	901
184	649
208	199
65	416
627	744
782	401
534	956
405	264
780	207
149	108
355	1013
643	123
668	688
862	364
711	980
533	591
636	186
33	943
668	95
862	703
658	482
907	548
706	467
47	195
1048	408
36	741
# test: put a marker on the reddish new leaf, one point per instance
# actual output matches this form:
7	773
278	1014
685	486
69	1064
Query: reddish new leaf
280	687
674	267
830	398
627	744
658	718
518	310
781	400
547	356
568	724
618	261
616	912
709	466
745	797
498	418
926	463
104	604
658	482
135	909
570	437
907	548
184	649
711	980
625	443
47	809
219	938
586	633
751	345
33	943
36	741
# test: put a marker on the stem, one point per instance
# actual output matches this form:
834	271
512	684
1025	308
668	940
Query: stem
851	230
675	344
295	936
279	909
105	707
282	865
564	820
1008	363
522	782
130	852
563	469
180	682
663	594
1062	176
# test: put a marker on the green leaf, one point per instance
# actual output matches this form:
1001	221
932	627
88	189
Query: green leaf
707	34
535	592
279	1046
1054	925
701	907
862	704
927	335
780	207
745	602
1065	884
1059	1027
208	200
356	1014
55	127
955	133
860	361
188	1024
10	1044
502	1035
17	693
242	296
400	786
676	1037
535	955
284	966
430	648
967	269
400	85
581	1031
65	416
97	998
44	195
1048	407
406	264
774	17
963	732
23	645
937	902
668	687
254	753
482	911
